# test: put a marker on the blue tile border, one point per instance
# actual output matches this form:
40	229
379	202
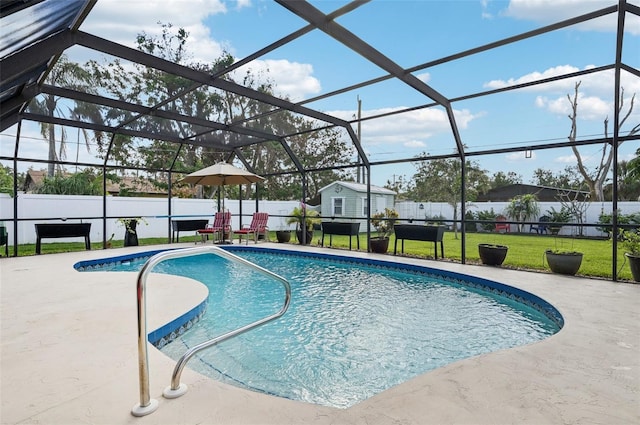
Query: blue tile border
167	333
172	330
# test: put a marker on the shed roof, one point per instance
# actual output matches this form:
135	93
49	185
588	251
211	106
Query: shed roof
543	193
359	187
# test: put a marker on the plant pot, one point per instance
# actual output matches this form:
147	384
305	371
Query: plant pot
564	262
309	236
634	265
130	234
492	255
283	236
130	238
379	245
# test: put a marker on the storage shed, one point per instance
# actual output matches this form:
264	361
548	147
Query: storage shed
348	201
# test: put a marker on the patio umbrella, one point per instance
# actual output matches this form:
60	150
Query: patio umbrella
221	174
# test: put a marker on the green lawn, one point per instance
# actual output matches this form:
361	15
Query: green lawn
526	251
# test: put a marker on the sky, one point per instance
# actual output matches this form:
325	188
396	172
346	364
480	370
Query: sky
411	33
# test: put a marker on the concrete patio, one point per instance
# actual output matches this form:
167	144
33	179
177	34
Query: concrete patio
69	356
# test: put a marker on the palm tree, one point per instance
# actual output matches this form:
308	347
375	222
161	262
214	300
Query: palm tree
69	75
522	208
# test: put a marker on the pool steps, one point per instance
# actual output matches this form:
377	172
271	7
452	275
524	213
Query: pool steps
147	405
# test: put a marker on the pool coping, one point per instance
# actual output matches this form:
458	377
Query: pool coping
589	372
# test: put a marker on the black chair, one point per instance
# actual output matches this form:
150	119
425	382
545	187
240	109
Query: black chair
541	228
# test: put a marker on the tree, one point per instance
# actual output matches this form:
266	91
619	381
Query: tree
69	75
400	185
83	183
595	179
314	147
633	166
440	180
569	178
500	179
628	181
523	207
6	180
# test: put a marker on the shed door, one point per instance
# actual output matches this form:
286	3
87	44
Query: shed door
381	203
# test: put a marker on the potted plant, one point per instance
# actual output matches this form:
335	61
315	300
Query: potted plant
283	236
562	260
630	241
383	222
130	226
304	219
557	219
491	254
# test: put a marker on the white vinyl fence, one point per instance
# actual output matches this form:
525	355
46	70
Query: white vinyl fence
75	209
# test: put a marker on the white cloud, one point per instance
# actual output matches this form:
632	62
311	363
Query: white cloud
589	107
110	20
425	77
121	22
410	130
415	144
291	79
520	156
595	98
549	11
566	159
536	75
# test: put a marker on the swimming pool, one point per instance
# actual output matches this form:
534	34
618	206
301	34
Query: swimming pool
354	328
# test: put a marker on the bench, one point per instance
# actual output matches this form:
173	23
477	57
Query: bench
340	228
178	226
419	233
66	230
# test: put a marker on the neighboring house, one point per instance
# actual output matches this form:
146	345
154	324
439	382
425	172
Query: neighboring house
348	201
133	186
33	179
543	193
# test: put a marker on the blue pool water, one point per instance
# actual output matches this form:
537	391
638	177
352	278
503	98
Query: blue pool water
352	330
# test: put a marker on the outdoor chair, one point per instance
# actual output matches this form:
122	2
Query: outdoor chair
257	227
501	225
542	227
221	226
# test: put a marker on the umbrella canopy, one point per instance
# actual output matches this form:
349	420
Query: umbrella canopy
221	174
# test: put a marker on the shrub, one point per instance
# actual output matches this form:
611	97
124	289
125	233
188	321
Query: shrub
384	221
489	217
632	221
630	241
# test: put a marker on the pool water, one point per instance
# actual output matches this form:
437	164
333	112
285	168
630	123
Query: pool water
351	331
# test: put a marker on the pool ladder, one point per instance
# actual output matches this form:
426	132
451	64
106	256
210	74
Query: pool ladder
148	405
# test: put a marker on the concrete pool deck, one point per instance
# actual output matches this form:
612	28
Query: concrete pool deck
69	356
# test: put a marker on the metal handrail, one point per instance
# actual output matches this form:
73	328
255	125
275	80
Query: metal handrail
148	405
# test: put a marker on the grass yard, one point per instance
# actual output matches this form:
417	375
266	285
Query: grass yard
526	251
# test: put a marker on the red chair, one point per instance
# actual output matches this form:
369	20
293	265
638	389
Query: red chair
501	226
221	226
257	227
